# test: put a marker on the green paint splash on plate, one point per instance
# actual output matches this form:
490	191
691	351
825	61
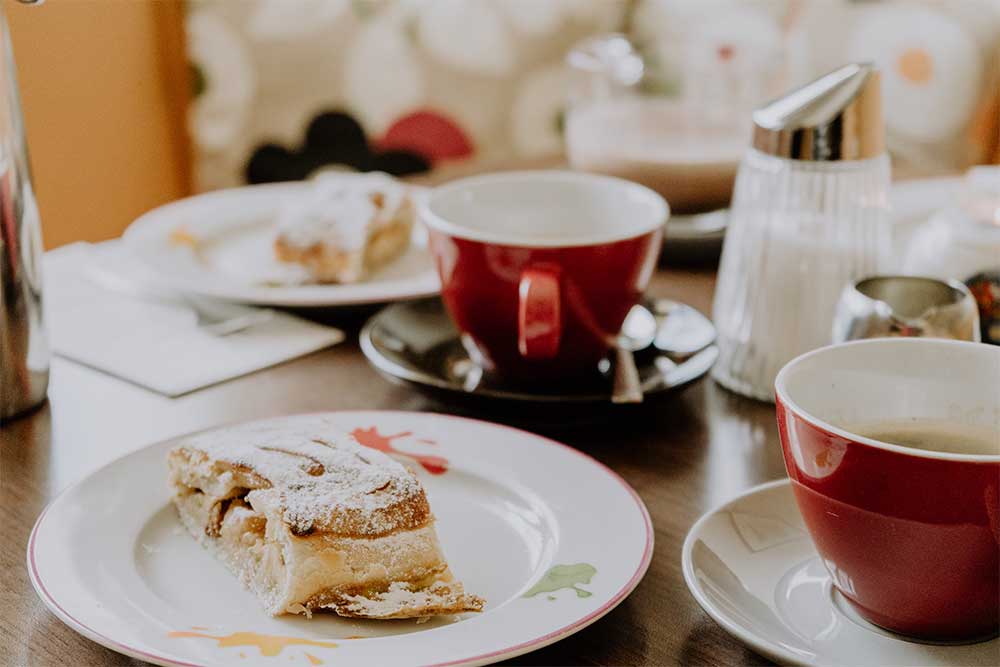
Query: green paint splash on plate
565	576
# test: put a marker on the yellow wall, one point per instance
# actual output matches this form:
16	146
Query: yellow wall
102	85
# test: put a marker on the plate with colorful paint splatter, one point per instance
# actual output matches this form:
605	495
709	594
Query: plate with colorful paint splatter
517	515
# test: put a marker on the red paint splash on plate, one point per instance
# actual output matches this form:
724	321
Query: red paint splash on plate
370	437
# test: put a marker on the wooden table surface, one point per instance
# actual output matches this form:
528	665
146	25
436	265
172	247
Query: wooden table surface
684	455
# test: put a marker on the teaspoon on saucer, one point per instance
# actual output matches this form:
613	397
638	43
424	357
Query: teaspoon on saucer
415	343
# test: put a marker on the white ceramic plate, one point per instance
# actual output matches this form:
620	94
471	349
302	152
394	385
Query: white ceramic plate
752	566
235	260
111	560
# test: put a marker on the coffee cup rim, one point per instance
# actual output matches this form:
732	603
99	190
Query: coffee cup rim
784	399
657	219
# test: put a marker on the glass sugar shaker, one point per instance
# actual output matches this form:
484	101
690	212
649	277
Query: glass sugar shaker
809	216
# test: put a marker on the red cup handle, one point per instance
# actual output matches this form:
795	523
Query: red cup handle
539	316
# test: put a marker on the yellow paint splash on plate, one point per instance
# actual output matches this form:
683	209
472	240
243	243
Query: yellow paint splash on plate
269	645
313	660
180	236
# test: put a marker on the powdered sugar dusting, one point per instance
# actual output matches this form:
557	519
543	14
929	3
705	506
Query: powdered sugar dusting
324	478
402	599
341	210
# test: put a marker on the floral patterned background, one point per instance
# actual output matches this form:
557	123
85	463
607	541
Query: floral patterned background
285	87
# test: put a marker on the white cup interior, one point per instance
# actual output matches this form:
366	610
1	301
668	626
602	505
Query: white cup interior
544	209
895	380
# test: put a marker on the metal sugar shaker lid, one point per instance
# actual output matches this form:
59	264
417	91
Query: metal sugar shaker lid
836	117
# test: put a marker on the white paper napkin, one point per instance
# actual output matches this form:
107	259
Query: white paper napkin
152	342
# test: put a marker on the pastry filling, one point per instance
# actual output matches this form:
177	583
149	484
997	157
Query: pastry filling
372	553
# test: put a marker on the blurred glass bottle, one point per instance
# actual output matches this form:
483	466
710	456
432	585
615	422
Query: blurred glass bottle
24	352
809	216
680	133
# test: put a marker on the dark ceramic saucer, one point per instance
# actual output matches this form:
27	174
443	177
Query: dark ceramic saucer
415	343
696	238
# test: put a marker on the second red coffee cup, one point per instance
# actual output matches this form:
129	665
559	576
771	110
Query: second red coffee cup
539	268
909	534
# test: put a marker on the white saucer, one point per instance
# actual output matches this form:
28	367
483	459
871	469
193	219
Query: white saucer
550	537
752	566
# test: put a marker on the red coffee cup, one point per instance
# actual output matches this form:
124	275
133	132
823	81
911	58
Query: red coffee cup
911	537
539	268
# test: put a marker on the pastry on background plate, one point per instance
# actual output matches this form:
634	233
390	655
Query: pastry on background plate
311	521
346	227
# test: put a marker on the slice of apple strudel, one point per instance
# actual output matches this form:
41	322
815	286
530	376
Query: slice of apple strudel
346	226
309	521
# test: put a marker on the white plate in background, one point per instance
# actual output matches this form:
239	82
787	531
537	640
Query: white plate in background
235	261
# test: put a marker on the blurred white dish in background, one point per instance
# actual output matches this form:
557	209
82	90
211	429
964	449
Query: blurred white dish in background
469	35
220	244
653	141
668	30
731	65
291	19
537	116
225	80
383	78
930	65
963	237
532	17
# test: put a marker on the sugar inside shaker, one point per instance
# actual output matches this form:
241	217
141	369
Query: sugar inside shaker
809	216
